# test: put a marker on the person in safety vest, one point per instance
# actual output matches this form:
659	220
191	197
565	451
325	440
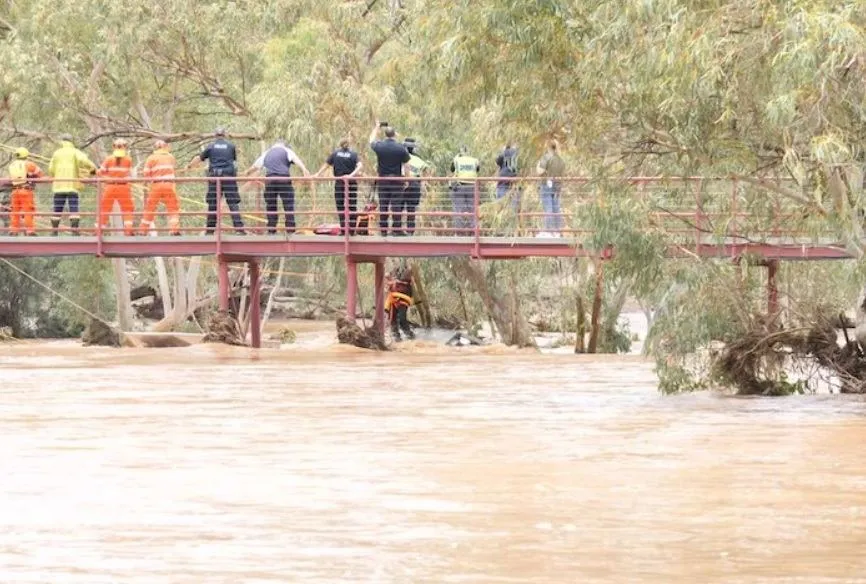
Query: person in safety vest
398	301
465	169
415	169
22	205
160	168
68	164
118	169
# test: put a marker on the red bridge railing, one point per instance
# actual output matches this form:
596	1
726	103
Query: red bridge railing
686	211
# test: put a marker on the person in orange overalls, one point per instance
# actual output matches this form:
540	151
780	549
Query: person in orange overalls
160	166
398	302
117	167
21	173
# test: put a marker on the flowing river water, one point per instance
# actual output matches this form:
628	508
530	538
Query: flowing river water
323	464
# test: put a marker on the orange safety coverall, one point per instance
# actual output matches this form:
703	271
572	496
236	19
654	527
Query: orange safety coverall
160	166
117	166
22	203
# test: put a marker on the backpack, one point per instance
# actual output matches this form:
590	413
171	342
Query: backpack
18	173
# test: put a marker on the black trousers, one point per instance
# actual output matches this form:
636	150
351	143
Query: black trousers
411	200
275	191
400	320
229	190
340	202
390	205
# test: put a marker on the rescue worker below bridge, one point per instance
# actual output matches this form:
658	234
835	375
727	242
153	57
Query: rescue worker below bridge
398	301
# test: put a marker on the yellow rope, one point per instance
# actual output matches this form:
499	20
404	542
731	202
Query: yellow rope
51	290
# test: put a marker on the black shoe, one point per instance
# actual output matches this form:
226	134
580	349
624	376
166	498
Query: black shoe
396	336
74	223
272	231
410	335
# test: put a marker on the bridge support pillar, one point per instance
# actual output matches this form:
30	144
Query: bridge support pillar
255	304
772	289
351	289
223	276
379	314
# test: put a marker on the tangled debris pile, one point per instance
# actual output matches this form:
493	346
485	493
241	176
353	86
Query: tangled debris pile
349	333
771	360
222	327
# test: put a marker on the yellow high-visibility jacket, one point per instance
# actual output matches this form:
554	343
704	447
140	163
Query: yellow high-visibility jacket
69	163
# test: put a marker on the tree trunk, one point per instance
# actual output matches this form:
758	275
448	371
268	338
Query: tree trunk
580	332
274	290
124	306
164	289
511	323
595	318
421	302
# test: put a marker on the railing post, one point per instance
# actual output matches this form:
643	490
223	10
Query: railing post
99	252
219	215
347	227
476	218
255	305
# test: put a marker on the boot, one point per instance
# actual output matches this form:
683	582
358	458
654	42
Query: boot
395	334
55	227
74	223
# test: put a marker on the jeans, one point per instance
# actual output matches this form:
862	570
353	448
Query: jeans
275	191
340	202
550	195
229	190
390	202
504	189
463	201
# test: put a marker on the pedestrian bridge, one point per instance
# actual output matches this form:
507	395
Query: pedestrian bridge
694	217
691	217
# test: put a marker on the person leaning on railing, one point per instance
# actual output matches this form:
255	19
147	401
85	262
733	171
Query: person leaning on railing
345	163
222	162
68	164
551	167
277	163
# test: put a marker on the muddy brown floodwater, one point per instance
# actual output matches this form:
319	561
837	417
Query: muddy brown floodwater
328	465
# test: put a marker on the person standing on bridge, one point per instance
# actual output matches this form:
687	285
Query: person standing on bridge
552	168
465	169
160	168
346	166
507	163
222	162
415	169
277	162
117	168
21	174
391	157
68	164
